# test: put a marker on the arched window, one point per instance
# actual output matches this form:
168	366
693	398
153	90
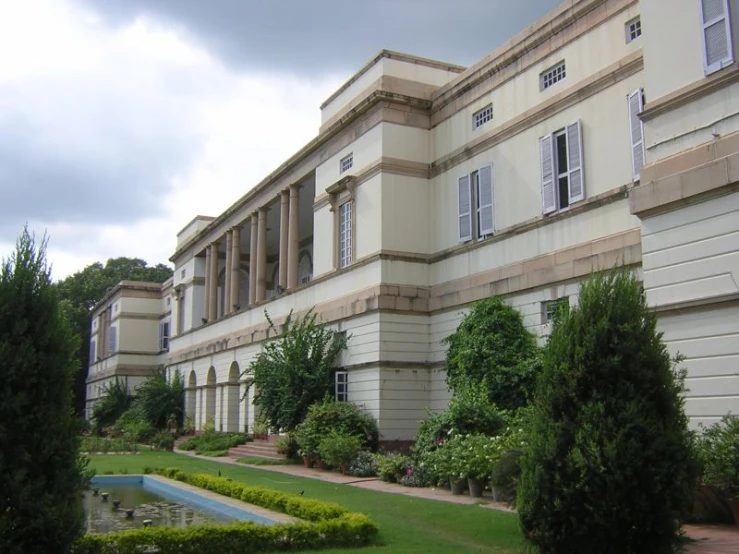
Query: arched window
305	268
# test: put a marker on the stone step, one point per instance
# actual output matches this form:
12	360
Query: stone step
256	452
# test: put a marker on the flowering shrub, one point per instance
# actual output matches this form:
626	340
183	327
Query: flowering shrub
391	467
363	465
337	449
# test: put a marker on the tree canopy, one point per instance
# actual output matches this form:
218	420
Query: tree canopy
40	481
295	370
81	291
492	346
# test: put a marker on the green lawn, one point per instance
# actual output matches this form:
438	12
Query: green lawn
407	525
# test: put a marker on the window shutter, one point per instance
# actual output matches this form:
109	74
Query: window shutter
636	105
574	162
717	47
548	200
112	339
485	198
464	198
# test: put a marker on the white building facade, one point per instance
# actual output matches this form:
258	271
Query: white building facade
604	134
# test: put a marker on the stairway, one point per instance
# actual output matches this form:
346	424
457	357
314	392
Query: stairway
258	448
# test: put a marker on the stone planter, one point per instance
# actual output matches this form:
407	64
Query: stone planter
498	493
345	469
307	462
319	463
457	486
475	486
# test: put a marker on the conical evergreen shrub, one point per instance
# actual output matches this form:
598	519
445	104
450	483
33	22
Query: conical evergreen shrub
610	467
40	481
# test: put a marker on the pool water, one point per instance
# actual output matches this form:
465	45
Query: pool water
102	517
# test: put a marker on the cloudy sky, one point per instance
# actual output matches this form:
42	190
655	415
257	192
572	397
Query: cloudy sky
120	120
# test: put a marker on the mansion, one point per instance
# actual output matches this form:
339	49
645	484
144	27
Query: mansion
606	133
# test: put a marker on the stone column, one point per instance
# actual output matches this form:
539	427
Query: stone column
206	294
213	285
253	260
235	299
294	240
226	293
262	255
284	216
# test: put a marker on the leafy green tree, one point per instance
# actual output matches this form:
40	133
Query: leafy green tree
40	480
111	405
610	465
157	398
80	293
491	345
295	371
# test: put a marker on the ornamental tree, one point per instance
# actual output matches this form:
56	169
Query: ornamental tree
609	468
295	370
492	346
40	480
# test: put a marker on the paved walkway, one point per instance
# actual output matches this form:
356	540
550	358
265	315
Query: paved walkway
709	539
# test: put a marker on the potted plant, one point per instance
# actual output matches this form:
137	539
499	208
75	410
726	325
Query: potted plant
339	450
260	429
449	459
479	454
719	453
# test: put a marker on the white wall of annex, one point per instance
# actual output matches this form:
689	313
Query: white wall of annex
602	46
366	150
517	171
673	47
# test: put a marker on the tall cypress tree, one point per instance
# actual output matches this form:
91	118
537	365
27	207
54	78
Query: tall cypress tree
609	467
40	507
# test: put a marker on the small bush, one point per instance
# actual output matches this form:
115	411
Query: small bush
332	416
719	452
363	465
288	446
337	449
391	467
211	443
162	441
101	444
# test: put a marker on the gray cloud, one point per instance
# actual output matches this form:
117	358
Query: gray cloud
303	36
93	148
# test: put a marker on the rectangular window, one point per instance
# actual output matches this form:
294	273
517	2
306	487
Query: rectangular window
475	196
346	163
183	273
552	76
562	180
636	106
112	339
93	352
164	336
345	234
718	51
342	386
633	29
481	117
551	307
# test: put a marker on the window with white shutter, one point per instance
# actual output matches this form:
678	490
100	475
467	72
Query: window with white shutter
341	386
562	177
164	336
485	223
574	163
548	197
346	252
717	45
464	208
112	339
636	105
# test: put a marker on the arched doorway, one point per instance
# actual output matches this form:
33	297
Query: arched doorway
232	399
210	398
191	396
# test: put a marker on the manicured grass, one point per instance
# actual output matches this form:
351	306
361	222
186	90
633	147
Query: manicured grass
265	461
407	525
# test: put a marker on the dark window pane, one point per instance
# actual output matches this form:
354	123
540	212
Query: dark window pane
561	154
564	193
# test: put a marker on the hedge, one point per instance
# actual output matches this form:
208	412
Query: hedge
326	525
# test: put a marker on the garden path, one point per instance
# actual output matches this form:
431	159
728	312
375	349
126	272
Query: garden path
709	539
